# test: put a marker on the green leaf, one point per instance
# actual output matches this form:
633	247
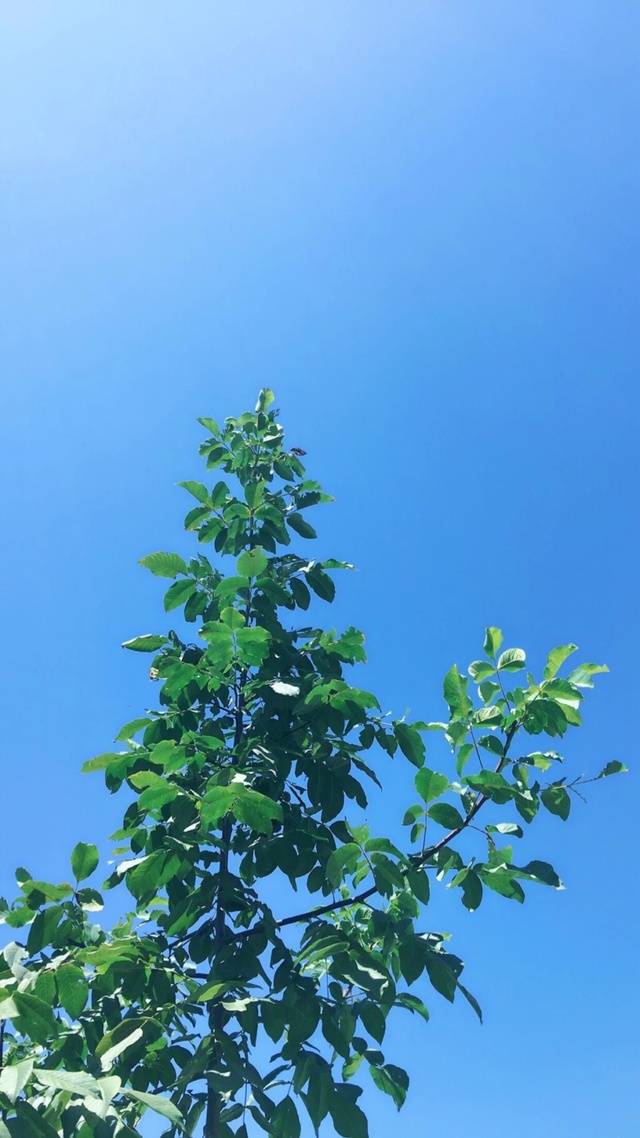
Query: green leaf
284	1121
392	1080
197	489
493	784
492	642
216	803
614	767
164	564
233	618
491	715
412	1004
129	730
197	515
557	657
506	828
557	801
410	742
581	676
252	562
513	660
455	692
13	1079
179	593
446	815
430	785
219	495
147	643
75	1082
342	861
471	891
158	1103
481	670
84	860
265	399
256	810
220	641
465	752
502	881
35	1018
253	645
125	1035
211	426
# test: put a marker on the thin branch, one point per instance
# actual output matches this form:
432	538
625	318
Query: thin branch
417	861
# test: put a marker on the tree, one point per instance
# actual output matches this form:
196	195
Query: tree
243	775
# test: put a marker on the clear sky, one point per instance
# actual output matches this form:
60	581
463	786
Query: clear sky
418	222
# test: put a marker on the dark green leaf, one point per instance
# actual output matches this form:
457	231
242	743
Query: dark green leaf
178	593
157	1103
446	815
418	882
297	523
284	1122
557	801
321	583
471	891
84	860
543	872
300	593
347	1118
373	1019
471	1000
410	742
613	767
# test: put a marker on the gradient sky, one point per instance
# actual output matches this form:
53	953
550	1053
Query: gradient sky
418	223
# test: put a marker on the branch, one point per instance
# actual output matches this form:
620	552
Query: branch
421	859
417	861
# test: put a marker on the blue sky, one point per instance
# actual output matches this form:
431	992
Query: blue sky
418	223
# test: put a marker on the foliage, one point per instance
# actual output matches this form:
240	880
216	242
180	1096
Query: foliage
202	1004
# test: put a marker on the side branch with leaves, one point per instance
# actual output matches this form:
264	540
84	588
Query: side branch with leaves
202	1003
